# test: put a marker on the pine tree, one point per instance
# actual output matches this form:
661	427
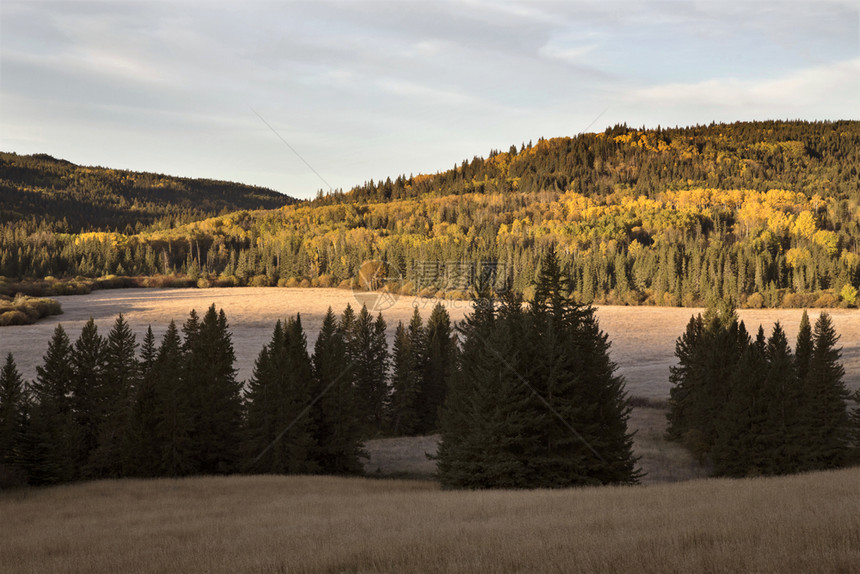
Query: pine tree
143	456
406	378
825	413
781	434
89	406
337	427
535	402
440	354
54	434
803	347
173	407
368	353
119	383
280	438
740	422
216	402
13	422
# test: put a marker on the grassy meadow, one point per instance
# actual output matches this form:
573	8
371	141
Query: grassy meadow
270	524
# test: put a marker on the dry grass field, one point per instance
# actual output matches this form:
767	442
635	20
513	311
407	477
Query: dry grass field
642	344
804	523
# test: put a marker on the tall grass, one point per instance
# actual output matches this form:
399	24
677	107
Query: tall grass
273	524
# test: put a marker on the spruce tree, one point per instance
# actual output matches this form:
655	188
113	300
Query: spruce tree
280	438
89	405
440	354
337	428
368	353
405	382
173	407
54	434
803	347
143	456
825	413
13	421
216	402
738	449
119	383
535	402
782	433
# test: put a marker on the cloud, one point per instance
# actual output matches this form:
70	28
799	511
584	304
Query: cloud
833	86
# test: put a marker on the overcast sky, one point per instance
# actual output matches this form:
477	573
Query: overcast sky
365	90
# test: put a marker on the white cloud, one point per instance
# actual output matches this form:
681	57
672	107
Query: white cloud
570	55
832	87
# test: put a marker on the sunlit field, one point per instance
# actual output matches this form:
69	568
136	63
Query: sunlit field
805	523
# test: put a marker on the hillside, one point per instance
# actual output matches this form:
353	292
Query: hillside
763	213
802	523
57	195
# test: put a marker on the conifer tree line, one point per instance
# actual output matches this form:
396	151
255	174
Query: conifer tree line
108	407
535	402
750	406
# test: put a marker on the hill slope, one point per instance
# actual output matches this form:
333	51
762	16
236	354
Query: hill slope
763	213
802	523
66	197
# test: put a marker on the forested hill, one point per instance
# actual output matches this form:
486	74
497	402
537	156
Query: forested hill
55	194
764	214
812	158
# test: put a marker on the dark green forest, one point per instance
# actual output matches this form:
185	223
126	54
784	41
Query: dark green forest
763	214
42	193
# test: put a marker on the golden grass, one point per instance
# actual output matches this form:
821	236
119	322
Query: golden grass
801	523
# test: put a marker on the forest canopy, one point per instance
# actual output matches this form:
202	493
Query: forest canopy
760	213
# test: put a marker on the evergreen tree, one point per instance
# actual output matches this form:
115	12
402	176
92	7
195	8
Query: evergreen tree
119	383
89	406
440	351
781	394
54	434
368	353
336	424
13	421
216	402
738	449
535	402
406	379
825	411
173	407
803	347
708	355
143	456
280	438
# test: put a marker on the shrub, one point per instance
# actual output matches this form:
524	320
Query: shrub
755	301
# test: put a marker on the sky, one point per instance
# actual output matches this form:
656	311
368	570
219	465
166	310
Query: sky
303	96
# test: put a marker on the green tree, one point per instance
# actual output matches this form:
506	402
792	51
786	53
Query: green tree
440	354
825	409
143	454
535	402
54	434
119	384
173	407
89	406
216	402
337	426
407	368
280	433
367	350
13	419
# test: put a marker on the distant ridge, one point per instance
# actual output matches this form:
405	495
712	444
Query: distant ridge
45	190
